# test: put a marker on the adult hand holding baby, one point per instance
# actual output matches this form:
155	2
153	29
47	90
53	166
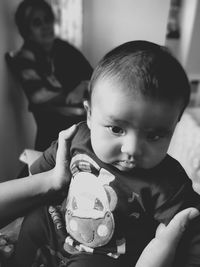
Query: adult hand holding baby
161	250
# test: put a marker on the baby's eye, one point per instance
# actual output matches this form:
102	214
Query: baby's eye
153	137
116	130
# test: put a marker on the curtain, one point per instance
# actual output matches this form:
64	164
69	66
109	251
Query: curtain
69	18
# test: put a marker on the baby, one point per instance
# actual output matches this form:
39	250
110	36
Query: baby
138	93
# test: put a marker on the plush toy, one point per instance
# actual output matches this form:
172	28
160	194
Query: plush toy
90	202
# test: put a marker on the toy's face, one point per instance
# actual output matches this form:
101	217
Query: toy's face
88	217
88	231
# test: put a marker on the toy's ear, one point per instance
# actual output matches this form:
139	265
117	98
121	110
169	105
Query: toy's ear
112	197
88	111
63	206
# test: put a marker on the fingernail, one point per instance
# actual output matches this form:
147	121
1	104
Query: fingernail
73	126
193	213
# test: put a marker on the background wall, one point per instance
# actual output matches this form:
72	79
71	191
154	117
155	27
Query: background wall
17	128
106	23
186	48
187	20
192	62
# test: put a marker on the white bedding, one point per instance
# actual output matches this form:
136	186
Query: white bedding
185	145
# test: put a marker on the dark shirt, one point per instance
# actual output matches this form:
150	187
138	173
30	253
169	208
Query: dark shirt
145	198
62	71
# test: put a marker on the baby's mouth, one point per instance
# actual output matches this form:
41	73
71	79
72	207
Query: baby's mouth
124	165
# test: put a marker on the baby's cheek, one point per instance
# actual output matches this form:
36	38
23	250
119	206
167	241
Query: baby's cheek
158	156
107	152
153	155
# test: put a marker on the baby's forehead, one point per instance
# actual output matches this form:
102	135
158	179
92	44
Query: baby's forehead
114	98
133	88
107	86
113	83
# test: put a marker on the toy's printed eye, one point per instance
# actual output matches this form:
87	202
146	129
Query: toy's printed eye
69	213
98	205
102	230
73	225
74	204
108	215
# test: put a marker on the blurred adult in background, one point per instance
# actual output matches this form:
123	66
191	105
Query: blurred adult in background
54	74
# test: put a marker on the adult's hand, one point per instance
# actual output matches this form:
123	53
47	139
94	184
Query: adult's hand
19	195
161	250
62	175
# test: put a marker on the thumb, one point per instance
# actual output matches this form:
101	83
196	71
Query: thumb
63	151
174	230
160	251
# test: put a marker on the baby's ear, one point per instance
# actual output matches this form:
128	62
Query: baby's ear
88	111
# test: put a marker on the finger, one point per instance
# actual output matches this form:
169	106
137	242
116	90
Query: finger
77	101
163	246
64	138
182	218
178	224
68	99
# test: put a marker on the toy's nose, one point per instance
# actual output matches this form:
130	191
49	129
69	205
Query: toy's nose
87	237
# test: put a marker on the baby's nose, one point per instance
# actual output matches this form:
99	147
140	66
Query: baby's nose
131	146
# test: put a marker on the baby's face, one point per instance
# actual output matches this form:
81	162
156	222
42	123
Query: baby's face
128	130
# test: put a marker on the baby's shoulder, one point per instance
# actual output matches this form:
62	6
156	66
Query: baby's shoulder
81	140
171	172
82	130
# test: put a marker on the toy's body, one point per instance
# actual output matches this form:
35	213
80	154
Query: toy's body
88	215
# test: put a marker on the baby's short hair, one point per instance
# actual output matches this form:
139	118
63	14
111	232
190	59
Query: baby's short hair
24	11
146	68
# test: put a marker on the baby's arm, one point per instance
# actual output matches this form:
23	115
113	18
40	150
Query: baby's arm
160	252
19	195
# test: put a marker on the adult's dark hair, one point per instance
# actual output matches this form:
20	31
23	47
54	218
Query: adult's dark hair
24	12
146	68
